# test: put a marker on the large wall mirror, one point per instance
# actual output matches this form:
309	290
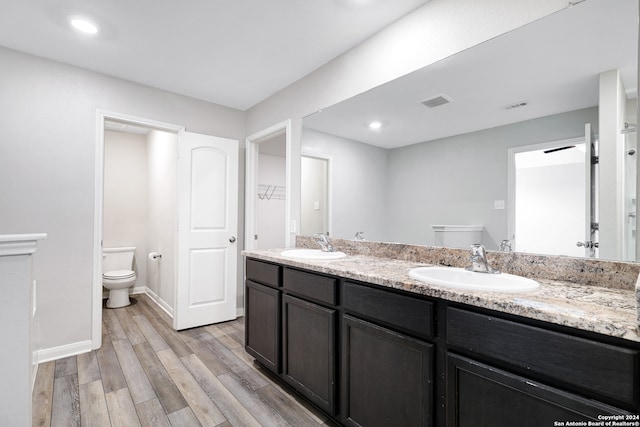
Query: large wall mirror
447	146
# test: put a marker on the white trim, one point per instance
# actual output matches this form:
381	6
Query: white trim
34	374
96	306
329	159
159	302
240	312
101	116
251	183
511	177
60	352
250	194
19	244
289	239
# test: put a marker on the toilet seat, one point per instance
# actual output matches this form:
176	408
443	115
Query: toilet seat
119	274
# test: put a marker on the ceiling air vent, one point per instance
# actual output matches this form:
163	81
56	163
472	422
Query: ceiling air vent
436	101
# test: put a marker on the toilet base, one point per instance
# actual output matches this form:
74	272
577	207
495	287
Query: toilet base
118	298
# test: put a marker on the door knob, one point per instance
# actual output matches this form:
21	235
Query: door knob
232	239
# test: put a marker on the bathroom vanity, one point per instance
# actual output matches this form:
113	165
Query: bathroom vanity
370	346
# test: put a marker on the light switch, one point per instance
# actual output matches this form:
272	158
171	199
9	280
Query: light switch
498	204
316	205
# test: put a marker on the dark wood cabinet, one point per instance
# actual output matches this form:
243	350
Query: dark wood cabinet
262	325
481	395
386	376
309	350
404	313
371	356
605	372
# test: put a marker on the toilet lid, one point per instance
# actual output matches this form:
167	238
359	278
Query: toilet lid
119	274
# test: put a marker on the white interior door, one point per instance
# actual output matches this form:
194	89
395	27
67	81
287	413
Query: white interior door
207	230
547	197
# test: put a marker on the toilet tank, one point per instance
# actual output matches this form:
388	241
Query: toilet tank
457	236
117	258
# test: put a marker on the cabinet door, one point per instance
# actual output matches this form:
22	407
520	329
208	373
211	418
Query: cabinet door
386	377
262	329
309	350
480	395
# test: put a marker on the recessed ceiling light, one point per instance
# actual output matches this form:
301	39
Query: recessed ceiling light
375	125
83	25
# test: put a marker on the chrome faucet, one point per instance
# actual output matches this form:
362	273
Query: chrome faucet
505	246
323	241
479	260
360	235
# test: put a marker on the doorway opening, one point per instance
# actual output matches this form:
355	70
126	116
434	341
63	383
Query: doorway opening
173	196
548	197
135	181
315	197
268	188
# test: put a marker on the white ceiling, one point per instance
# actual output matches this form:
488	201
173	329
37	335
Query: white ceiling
230	52
552	64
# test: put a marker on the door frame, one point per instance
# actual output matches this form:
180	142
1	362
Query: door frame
251	182
98	206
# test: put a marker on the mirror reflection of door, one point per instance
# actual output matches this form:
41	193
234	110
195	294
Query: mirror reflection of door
550	198
314	199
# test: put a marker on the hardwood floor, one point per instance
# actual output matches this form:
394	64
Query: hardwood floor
147	374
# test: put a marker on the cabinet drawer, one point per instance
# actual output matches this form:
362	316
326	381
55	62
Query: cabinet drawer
263	272
313	286
408	314
600	368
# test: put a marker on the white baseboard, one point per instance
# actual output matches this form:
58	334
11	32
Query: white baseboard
34	372
163	305
55	353
168	309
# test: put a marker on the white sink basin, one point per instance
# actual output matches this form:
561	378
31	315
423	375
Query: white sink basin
463	279
312	254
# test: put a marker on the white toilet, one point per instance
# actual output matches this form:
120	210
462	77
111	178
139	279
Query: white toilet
118	275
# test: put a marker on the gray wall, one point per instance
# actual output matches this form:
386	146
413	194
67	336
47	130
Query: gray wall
358	182
456	180
47	168
162	153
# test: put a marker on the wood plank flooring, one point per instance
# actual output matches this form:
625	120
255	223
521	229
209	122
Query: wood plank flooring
147	374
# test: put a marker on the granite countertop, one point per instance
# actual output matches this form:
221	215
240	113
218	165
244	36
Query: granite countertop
606	310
